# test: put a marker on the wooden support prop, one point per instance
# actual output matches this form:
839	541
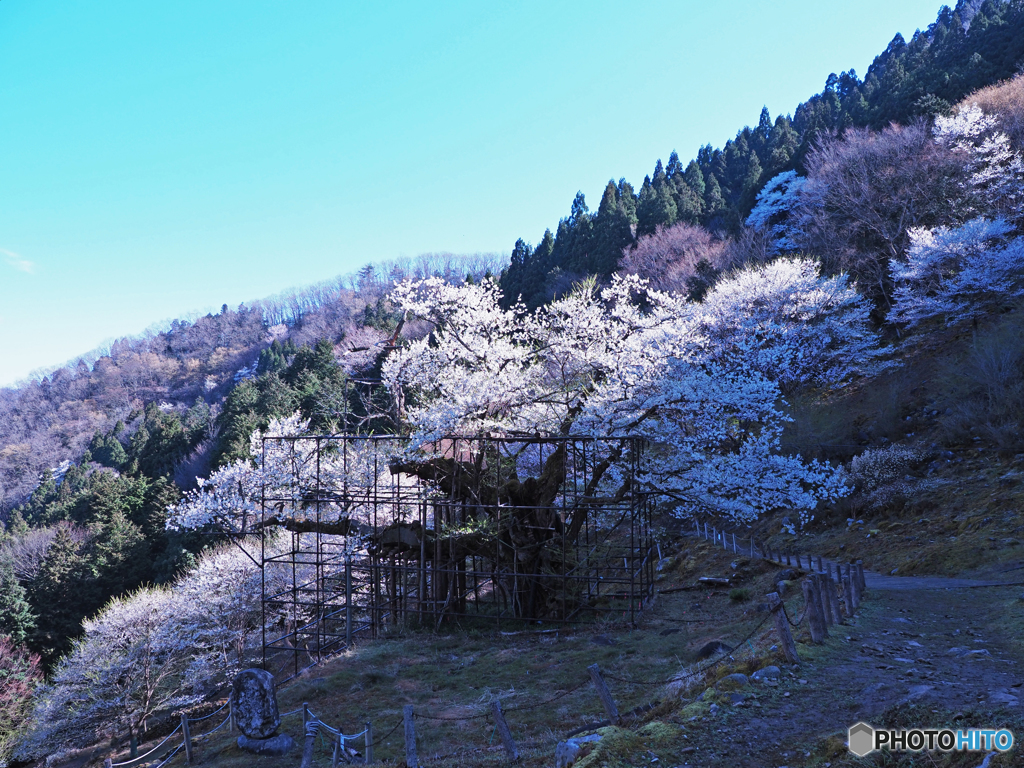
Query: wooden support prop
368	743
814	620
312	729
714	535
188	739
410	738
133	744
339	746
713	581
231	715
787	559
305	714
348	601
782	628
751	547
734	550
504	732
604	694
705	531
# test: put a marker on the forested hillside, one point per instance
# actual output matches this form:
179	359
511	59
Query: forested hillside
717	313
966	48
93	455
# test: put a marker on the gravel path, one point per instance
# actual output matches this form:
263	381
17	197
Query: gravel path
928	640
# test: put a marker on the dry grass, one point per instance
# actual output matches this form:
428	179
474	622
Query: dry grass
1006	100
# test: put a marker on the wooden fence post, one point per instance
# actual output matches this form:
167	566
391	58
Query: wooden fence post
782	628
188	739
410	738
503	731
814	620
734	550
339	746
368	742
861	584
833	599
823	600
851	605
305	714
604	694
856	589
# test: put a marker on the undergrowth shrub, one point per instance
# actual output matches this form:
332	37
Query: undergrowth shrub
878	477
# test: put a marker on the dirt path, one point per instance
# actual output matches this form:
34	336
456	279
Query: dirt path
939	643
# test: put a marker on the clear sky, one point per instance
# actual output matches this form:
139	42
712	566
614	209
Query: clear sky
160	158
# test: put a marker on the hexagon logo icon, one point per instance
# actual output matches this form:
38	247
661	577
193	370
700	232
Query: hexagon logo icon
861	738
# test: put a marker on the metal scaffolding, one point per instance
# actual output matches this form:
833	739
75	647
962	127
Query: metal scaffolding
469	531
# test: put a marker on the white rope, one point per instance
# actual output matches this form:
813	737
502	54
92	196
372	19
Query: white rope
154	749
337	732
168	758
207	717
293	712
214	730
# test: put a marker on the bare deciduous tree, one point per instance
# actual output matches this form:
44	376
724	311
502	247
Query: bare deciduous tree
669	257
865	191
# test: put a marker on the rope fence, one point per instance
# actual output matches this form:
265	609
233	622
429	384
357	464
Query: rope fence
832	591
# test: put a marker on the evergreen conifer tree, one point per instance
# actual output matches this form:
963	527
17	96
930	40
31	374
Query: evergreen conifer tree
16	618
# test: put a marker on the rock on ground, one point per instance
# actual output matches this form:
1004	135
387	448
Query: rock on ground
277	746
567	751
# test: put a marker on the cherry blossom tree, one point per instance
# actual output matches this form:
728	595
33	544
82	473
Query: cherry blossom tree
773	212
993	172
957	273
595	363
156	649
702	391
124	668
792	325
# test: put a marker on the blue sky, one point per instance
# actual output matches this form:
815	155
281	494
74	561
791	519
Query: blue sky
161	158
